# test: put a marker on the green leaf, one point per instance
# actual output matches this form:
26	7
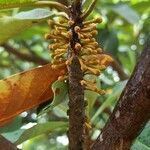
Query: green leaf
126	12
40	142
12	26
139	146
145	6
14	125
109	41
111	98
8	2
91	96
112	43
13	136
40	129
143	140
35	14
128	60
60	90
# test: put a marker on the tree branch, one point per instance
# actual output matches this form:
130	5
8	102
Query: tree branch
6	145
30	58
132	110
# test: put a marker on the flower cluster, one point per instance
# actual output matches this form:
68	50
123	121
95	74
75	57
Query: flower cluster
90	56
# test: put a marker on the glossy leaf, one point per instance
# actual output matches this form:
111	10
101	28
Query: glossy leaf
12	26
60	90
26	90
40	129
35	14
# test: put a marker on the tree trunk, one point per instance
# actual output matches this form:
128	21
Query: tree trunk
132	110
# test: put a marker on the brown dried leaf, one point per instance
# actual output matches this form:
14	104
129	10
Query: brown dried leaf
26	90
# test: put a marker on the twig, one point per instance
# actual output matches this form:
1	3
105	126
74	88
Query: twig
6	145
31	58
50	4
89	10
132	110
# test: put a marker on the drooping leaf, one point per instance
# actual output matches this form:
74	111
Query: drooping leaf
35	14
40	129
26	90
12	26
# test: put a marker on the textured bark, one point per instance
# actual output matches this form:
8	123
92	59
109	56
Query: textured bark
6	145
132	111
76	91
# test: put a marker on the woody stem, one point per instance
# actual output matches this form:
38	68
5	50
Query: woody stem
76	91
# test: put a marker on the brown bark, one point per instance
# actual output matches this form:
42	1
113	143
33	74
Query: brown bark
6	145
132	110
76	91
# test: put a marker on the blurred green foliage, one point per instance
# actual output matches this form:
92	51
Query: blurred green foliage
123	33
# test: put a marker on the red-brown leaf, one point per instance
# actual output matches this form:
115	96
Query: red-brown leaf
26	90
